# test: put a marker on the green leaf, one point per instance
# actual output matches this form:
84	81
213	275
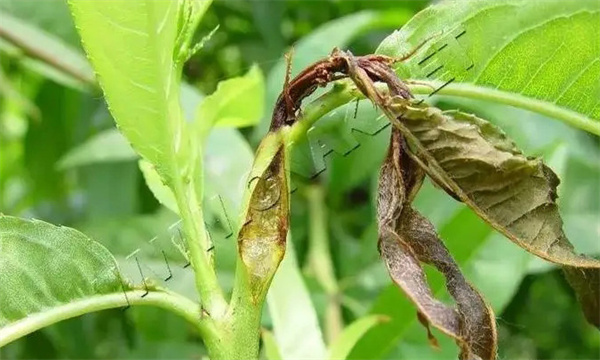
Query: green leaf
57	273
237	102
227	163
106	146
294	317
138	74
46	266
541	56
161	192
342	346
270	346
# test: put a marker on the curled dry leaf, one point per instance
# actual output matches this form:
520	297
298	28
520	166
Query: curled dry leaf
406	238
262	237
474	162
586	283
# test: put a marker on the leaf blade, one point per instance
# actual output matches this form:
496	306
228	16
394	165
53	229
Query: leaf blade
342	346
47	266
138	73
561	40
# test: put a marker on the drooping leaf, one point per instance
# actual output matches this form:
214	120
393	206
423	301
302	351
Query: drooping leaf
45	267
406	238
524	52
237	102
137	71
475	162
586	283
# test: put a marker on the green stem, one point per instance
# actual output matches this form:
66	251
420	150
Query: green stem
503	97
176	303
343	92
211	294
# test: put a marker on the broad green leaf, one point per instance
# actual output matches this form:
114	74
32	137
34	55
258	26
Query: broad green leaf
138	74
46	54
341	347
106	146
294	317
46	267
161	192
237	102
544	56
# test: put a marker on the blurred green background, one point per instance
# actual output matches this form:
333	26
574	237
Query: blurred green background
47	112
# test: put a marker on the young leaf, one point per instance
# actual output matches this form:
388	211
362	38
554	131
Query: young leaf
140	77
238	102
136	70
540	56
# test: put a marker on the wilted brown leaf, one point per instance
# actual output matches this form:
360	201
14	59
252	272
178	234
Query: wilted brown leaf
406	238
586	283
475	162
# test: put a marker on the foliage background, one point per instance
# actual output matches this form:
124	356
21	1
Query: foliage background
45	115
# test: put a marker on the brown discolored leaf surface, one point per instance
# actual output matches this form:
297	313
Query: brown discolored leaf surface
262	237
475	161
406	238
586	283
